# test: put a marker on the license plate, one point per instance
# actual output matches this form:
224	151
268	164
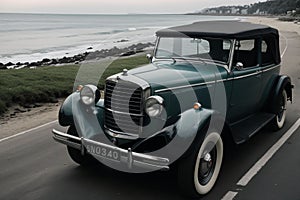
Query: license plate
104	152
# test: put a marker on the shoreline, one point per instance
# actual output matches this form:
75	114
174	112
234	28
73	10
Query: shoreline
131	49
48	112
90	54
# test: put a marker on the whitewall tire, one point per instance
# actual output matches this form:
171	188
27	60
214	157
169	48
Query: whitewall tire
215	138
198	172
280	118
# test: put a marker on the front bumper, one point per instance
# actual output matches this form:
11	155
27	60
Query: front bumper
131	159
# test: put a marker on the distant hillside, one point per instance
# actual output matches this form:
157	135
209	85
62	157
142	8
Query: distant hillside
270	7
276	7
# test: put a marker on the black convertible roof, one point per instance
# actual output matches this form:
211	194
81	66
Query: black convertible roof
222	29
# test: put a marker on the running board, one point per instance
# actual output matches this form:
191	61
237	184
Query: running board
245	129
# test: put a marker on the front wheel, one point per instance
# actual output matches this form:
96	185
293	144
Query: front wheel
75	154
198	173
279	121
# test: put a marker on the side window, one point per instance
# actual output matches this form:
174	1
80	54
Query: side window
267	56
226	45
245	45
246	52
264	47
220	49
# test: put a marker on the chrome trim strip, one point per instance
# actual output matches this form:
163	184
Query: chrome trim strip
230	67
130	159
130	78
185	86
122	135
58	133
65	139
223	80
248	75
155	48
265	70
217	81
193	60
124	113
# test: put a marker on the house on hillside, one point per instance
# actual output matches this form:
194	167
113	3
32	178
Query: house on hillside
244	11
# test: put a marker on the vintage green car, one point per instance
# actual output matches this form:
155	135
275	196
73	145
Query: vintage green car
208	85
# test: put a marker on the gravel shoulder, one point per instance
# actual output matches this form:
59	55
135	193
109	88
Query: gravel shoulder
18	119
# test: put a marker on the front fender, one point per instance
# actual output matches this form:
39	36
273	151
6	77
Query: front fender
182	133
65	115
191	121
88	120
195	124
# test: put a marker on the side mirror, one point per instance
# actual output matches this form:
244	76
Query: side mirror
149	57
239	66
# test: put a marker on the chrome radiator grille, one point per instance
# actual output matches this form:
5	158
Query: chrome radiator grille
124	109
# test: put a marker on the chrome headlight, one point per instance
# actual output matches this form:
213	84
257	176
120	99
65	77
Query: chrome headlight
89	94
154	106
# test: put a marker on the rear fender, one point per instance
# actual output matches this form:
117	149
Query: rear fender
283	83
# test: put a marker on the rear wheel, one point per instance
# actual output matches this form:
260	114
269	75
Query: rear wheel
279	121
75	154
197	174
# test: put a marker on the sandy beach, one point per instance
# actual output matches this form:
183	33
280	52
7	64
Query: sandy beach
275	23
48	112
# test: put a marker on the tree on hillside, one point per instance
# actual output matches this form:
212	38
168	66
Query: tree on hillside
276	7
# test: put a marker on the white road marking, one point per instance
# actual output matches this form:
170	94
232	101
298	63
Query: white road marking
229	195
286	46
24	132
268	155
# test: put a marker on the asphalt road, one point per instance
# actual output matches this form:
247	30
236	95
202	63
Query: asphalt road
33	166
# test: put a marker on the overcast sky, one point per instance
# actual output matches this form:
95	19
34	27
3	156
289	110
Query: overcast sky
113	6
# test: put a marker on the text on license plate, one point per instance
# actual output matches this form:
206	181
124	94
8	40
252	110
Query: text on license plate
103	152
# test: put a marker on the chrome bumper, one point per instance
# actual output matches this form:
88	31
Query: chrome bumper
132	159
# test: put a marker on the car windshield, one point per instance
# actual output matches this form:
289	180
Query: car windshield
205	49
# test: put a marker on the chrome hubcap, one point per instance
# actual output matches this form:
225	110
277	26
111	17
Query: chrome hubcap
282	108
207	166
207	157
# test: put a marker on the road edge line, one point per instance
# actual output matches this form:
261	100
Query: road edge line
268	155
229	195
286	46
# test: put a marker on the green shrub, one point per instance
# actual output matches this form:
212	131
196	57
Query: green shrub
46	84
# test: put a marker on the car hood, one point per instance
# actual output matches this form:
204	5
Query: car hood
168	74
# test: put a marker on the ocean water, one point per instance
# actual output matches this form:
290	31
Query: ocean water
32	37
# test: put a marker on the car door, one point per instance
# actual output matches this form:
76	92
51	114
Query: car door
246	80
270	66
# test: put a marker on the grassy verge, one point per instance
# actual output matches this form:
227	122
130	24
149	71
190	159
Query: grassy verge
289	18
46	84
